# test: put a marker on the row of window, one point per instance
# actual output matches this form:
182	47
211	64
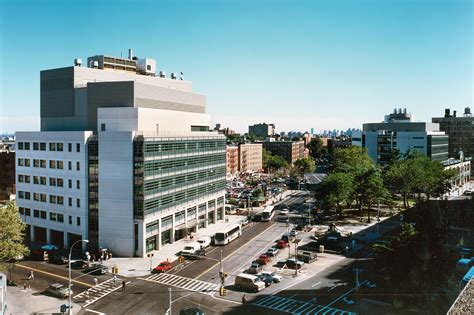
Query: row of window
41	180
53	216
42	197
211	159
53	164
53	146
178	146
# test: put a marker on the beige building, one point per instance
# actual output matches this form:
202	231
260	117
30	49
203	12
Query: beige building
289	150
232	161
250	157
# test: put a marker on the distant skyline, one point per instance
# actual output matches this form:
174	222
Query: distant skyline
322	64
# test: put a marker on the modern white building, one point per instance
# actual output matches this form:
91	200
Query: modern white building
400	131
136	163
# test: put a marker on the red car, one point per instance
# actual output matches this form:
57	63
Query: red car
282	244
164	266
263	259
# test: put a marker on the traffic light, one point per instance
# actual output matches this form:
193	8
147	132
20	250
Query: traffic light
63	308
222	291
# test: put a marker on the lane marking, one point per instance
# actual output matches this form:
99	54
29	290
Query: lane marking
315	284
92	311
55	275
340	297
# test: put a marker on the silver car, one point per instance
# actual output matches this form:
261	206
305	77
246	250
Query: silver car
58	290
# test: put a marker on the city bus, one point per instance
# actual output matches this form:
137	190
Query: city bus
227	234
268	213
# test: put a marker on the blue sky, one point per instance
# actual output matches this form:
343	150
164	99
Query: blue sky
327	64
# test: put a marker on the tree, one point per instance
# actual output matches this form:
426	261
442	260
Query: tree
335	190
273	162
11	234
371	189
304	165
316	148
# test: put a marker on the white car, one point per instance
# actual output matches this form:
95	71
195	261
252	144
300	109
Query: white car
204	241
284	211
293	233
271	276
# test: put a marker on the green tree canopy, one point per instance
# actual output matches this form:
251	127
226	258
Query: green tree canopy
335	191
273	163
304	165
11	234
316	148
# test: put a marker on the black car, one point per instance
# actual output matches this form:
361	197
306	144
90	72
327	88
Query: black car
96	269
191	311
266	280
300	227
78	264
58	259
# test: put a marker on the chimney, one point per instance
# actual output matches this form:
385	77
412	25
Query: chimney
447	113
130	54
454	113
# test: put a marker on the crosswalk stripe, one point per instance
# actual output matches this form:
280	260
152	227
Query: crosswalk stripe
184	283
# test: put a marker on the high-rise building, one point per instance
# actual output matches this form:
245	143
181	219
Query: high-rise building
460	130
124	158
262	130
400	131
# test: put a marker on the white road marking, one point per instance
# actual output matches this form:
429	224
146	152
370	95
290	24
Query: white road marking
315	284
92	311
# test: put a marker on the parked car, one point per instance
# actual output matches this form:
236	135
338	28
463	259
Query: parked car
282	244
190	249
271	275
300	227
191	311
79	264
58	290
263	259
96	269
244	221
294	264
284	211
204	241
308	257
249	282
164	266
255	268
272	252
286	237
58	259
293	233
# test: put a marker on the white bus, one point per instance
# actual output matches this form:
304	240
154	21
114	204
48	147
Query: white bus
268	213
227	234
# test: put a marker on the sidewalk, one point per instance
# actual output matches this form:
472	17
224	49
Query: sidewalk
20	301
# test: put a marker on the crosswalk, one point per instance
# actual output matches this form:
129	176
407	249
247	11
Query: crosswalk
97	292
184	283
296	307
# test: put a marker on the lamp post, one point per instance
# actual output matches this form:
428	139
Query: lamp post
70	280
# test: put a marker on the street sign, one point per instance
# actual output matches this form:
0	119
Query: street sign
181	259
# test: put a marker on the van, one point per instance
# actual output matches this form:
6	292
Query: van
190	249
248	282
204	241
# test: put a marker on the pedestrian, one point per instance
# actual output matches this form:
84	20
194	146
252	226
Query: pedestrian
31	276
96	281
123	285
244	299
24	286
115	279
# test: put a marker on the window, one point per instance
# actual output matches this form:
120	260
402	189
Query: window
102	127
20	178
43	180
43	214
70	202
78	147
21	194
43	163
60	217
52	181
20	145
59	165
59	146
78	165
60	200
70	219
27	179
36	213
52	164
69	164
36	163
59	182
21	210
35	146
27	162
43	146
27	212
52	198
43	197
36	196
35	180
78	184
21	162
52	216
27	145
69	147
78	221
70	183
27	195
52	146
78	202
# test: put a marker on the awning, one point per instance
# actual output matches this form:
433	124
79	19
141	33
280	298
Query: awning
190	224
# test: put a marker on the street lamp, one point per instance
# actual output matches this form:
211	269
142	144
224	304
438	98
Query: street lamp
70	280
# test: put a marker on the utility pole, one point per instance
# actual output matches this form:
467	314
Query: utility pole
222	272
169	290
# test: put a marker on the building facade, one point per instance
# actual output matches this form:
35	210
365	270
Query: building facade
460	130
399	131
262	130
289	150
232	161
124	159
7	171
250	157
